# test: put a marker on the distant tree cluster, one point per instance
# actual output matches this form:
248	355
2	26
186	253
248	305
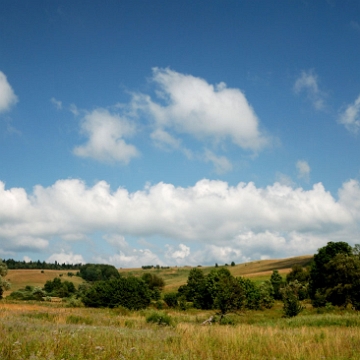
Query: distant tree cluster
219	290
148	267
97	272
41	265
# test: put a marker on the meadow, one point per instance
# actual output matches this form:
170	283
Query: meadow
51	331
43	330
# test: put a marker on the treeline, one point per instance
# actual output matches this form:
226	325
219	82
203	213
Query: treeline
332	279
41	265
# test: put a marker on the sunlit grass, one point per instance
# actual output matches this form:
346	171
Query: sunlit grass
33	331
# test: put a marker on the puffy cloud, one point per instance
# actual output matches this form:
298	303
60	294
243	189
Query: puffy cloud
7	95
308	82
179	255
351	116
189	105
66	258
303	169
106	132
243	221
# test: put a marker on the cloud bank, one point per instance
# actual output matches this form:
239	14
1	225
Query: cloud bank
242	220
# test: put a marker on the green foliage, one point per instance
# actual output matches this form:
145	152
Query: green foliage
4	284
58	288
230	295
334	276
28	293
232	263
266	291
290	298
196	291
298	273
171	299
155	284
277	282
97	272
319	280
130	292
252	294
159	318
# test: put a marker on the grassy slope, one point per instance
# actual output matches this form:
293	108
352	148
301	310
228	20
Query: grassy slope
20	278
257	270
174	277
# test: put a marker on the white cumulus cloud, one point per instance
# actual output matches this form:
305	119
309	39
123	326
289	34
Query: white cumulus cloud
106	132
189	105
350	118
244	221
7	95
66	258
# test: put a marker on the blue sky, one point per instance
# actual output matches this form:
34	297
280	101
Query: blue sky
178	133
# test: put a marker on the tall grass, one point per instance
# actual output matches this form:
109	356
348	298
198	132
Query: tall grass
39	332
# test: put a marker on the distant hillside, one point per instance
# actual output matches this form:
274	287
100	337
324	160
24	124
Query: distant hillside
174	277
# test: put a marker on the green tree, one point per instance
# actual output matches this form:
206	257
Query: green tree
196	291
230	295
252	293
319	273
290	298
4	284
130	292
266	291
276	281
155	284
323	281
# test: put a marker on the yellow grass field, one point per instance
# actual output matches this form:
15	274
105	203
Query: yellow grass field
20	278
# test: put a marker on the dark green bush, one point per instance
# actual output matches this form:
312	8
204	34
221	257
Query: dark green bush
159	318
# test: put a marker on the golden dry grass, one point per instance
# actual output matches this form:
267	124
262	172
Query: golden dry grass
45	331
19	278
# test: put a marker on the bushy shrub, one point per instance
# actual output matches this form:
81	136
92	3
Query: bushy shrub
159	318
28	293
130	292
58	288
171	299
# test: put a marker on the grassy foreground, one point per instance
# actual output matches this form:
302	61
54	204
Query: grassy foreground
49	331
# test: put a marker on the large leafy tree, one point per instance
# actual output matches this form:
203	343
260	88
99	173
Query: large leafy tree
4	284
329	274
